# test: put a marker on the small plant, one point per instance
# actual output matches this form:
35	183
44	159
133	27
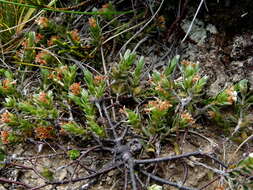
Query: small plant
73	154
95	31
28	54
133	118
125	81
2	155
83	100
48	174
60	88
40	106
241	176
96	85
73	128
8	84
62	76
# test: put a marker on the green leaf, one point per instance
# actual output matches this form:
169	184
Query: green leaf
10	102
170	68
73	154
2	154
133	118
242	86
74	128
127	61
198	87
48	174
138	71
8	74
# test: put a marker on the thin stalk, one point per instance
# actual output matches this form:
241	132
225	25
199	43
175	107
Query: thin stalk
66	11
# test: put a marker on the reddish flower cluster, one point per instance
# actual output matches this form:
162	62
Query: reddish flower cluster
161	21
187	117
52	40
4	137
6	117
38	37
211	114
24	44
42	22
75	88
104	7
158	105
43	132
41	58
188	63
43	97
6	84
99	78
160	89
232	95
196	78
92	22
74	35
58	74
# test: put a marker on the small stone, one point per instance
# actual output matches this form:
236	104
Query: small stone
111	173
63	174
2	187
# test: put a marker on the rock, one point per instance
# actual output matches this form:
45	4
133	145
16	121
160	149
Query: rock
111	173
2	187
216	86
62	174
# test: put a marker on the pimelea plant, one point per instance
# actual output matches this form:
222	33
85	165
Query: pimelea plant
167	103
123	109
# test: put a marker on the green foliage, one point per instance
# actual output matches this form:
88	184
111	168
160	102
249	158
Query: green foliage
2	154
158	111
36	5
109	7
73	154
133	118
10	102
63	76
138	71
83	100
95	31
48	174
96	85
152	103
74	128
11	15
122	69
124	80
171	66
8	85
192	82
238	97
40	106
242	87
29	51
241	176
16	123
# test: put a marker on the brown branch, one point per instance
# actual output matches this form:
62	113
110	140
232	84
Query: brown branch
161	180
177	21
185	155
102	171
4	180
